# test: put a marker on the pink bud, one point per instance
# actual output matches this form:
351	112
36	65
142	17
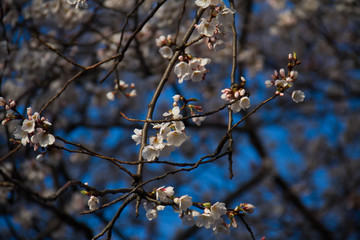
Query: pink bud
282	72
5	121
276	74
29	111
237	94
290	57
248	208
12	104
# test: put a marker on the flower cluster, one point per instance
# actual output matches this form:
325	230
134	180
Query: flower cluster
78	3
121	87
217	28
283	81
169	135
191	68
238	94
165	43
211	217
33	130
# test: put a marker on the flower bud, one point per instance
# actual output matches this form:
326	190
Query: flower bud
248	208
12	104
2	102
290	57
5	121
282	72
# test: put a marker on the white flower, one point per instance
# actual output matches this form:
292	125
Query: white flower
160	41
176	98
207	3
182	71
206	28
20	134
28	126
184	202
110	96
198	120
204	220
218	209
164	194
78	3
197	68
176	138
298	96
269	83
93	203
151	212
176	112
179	125
225	17
189	219
137	136
42	138
282	83
132	93
166	52
245	103
157	141
150	153
202	3
221	227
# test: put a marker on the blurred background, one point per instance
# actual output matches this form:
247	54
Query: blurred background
297	163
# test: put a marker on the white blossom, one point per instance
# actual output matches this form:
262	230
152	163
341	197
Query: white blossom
269	83
43	138
176	98
218	209
164	194
184	202
298	96
20	134
220	226
166	52
198	120
150	153
151	212
182	71
28	126
137	136
110	96
206	28
93	203
176	138
205	220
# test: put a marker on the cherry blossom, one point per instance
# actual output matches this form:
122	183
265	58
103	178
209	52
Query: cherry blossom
206	28
205	219
163	194
19	133
298	96
42	138
184	202
137	136
150	153
93	203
